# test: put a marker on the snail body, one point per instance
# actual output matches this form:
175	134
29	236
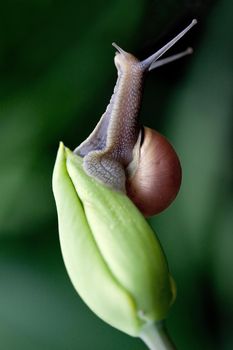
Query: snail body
122	154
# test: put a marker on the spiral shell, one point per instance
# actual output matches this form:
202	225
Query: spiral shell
156	178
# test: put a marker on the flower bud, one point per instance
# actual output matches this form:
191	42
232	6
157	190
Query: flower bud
112	256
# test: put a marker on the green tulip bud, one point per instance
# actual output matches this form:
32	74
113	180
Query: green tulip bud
112	256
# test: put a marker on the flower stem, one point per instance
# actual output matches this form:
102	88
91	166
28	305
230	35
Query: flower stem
156	337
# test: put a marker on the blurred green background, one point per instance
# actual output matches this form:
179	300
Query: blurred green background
56	78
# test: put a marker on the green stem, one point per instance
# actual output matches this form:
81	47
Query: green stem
156	337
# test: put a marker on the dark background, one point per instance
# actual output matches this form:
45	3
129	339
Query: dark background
56	78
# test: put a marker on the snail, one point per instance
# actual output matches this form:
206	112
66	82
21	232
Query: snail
125	156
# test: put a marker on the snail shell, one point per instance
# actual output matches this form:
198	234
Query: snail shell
155	177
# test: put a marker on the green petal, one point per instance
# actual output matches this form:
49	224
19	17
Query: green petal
86	266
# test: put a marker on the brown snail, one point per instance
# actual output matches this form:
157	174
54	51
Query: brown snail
122	154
